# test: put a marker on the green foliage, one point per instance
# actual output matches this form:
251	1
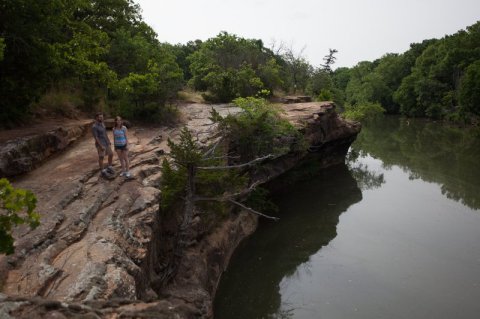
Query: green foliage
225	86
260	130
186	152
373	82
270	74
258	199
363	112
257	131
341	77
320	80
325	95
30	29
208	183
469	95
217	183
426	81
433	152
82	55
405	96
17	207
173	184
2	48
182	52
91	43
60	102
329	60
129	52
142	95
355	91
228	66
296	72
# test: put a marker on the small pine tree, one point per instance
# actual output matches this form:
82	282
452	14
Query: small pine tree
329	60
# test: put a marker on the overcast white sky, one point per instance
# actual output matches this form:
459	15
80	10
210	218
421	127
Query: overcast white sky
358	29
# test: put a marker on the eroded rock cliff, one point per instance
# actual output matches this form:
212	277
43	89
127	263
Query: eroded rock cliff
30	147
102	247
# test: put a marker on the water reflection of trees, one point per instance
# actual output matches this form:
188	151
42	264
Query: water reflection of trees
309	212
366	178
441	154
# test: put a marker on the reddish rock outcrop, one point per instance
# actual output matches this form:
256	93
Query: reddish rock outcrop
24	153
102	249
295	99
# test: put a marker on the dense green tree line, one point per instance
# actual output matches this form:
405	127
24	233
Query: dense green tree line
438	78
95	51
64	54
92	55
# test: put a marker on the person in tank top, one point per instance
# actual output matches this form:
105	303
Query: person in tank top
120	143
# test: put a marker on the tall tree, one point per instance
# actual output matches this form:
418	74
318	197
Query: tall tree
329	60
229	66
297	69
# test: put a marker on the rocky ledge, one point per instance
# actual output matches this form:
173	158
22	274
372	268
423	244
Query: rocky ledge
102	248
22	154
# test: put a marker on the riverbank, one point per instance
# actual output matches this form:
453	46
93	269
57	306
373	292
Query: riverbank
400	239
102	245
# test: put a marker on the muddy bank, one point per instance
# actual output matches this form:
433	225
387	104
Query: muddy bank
103	248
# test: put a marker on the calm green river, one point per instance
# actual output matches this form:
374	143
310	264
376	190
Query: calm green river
393	233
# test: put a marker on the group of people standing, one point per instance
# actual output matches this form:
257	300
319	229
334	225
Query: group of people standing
103	145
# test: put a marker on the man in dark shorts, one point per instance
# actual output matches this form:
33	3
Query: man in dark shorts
102	143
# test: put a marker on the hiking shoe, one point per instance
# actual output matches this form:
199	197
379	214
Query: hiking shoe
110	170
123	173
128	175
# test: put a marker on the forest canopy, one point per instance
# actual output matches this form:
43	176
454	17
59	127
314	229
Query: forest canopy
100	55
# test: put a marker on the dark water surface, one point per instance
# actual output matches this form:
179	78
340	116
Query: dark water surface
394	233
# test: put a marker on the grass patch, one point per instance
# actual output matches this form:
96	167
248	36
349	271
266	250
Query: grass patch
59	103
190	96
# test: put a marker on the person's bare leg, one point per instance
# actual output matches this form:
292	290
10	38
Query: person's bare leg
110	159
100	162
127	162
122	161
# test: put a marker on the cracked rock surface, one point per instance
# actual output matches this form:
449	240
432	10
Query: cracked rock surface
95	253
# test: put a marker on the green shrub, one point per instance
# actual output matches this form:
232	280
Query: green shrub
173	184
60	102
17	207
227	67
325	95
143	95
260	130
363	111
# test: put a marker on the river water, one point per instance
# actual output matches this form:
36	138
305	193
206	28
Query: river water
393	233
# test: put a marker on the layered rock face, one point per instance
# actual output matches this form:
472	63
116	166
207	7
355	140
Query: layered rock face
24	153
102	248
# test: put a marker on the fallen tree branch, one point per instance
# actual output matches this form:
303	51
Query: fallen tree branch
252	210
220	157
227	197
260	159
213	148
